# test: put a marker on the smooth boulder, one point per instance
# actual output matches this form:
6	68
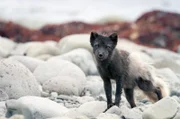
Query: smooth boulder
17	80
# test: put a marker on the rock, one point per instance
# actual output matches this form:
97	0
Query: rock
94	85
75	41
157	54
60	118
166	108
82	58
125	44
54	95
171	79
16	80
61	76
44	57
29	62
7	46
74	114
35	107
14	117
3	109
73	101
177	116
92	109
3	95
38	49
107	116
167	63
64	85
21	49
125	112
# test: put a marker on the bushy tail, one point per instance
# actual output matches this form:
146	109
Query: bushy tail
163	86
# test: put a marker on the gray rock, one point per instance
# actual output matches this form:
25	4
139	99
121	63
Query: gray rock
16	80
166	108
35	107
82	58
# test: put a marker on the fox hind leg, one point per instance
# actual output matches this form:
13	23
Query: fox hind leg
129	93
149	89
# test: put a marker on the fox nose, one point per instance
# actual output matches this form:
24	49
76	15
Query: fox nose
100	55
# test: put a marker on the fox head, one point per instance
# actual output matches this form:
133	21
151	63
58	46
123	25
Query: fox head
103	46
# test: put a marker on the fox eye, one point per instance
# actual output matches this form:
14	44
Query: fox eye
96	45
108	47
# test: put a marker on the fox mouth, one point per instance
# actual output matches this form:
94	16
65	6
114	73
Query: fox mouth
101	59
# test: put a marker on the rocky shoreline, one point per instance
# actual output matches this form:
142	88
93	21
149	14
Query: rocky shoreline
50	80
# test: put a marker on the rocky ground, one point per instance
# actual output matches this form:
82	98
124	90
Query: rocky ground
59	80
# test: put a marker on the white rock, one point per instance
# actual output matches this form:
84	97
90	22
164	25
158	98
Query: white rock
66	85
94	85
21	48
82	58
92	109
161	54
17	80
14	117
35	49
3	95
3	109
107	116
177	115
38	49
44	57
36	107
29	62
60	118
124	111
63	75
167	63
124	44
166	108
75	41
6	46
74	114
172	80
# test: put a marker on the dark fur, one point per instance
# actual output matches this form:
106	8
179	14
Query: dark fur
114	65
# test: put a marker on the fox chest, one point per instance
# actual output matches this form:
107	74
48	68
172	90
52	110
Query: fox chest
110	71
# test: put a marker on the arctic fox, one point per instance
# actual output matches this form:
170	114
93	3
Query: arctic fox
126	69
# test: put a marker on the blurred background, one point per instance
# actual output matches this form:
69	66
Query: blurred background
36	13
154	23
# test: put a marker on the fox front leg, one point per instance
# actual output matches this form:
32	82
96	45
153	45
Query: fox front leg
119	84
108	92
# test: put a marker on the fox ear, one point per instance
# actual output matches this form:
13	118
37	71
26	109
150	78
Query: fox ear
93	36
114	37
